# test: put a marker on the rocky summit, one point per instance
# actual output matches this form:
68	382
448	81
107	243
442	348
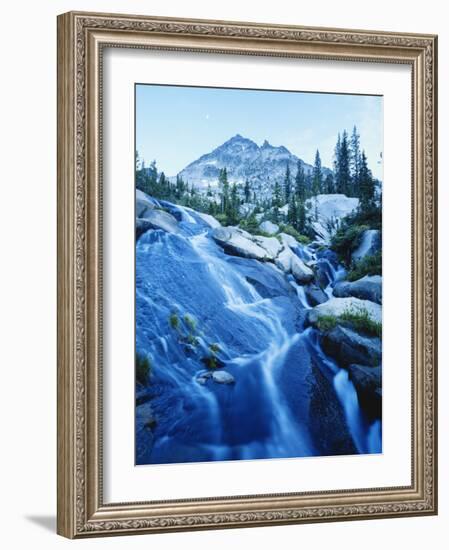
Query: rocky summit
244	160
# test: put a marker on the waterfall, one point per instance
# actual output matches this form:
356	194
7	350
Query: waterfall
263	346
367	438
242	298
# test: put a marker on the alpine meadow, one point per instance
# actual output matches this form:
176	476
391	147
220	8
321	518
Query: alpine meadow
258	274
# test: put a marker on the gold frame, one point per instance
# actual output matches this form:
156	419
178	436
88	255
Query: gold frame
81	38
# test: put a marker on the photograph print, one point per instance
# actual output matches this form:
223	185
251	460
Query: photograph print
258	274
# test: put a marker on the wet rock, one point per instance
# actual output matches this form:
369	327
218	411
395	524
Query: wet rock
208	219
290	263
329	255
347	346
302	273
203	376
326	417
145	425
366	288
323	272
368	384
283	261
223	377
156	219
270	244
144	203
238	242
288	241
315	295
218	376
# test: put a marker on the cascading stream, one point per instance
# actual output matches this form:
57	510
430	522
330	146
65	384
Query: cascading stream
261	346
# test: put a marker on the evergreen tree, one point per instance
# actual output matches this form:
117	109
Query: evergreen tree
224	184
355	161
292	213
277	195
300	183
139	173
317	177
287	184
180	187
342	165
367	187
329	187
247	191
233	206
276	201
336	164
301	219
163	187
151	172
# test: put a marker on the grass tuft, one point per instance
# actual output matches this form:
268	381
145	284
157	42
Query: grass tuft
359	319
369	265
143	368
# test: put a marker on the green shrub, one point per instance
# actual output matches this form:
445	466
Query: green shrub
290	230
222	218
361	320
174	320
327	322
346	240
371	216
253	229
143	368
369	265
192	340
211	362
190	322
250	224
214	348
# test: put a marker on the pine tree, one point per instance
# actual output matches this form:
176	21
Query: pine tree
224	184
180	187
300	183
277	195
292	213
163	186
287	184
317	177
276	201
329	184
355	161
140	175
301	221
342	165
247	191
367	186
233	206
337	164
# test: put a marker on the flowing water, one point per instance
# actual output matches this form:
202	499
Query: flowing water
256	318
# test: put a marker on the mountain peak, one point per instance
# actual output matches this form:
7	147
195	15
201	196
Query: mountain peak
244	160
238	138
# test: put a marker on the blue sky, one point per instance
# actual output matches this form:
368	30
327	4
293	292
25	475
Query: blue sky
175	125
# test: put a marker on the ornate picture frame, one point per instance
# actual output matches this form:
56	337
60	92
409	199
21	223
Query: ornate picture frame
82	39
